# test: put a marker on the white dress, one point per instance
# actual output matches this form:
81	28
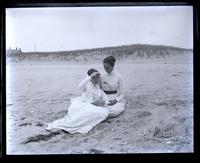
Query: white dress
82	116
114	82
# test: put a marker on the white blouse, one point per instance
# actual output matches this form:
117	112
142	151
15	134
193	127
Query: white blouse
91	92
113	82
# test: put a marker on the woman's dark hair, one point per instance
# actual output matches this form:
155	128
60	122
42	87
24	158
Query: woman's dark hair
90	71
110	60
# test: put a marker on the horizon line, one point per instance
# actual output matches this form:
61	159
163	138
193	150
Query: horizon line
103	47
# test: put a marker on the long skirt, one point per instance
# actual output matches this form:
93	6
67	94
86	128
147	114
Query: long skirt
82	117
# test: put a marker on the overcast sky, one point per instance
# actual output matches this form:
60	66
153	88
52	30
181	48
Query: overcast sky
69	28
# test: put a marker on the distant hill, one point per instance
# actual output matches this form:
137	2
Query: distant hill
130	52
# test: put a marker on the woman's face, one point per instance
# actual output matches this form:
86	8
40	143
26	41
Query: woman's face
107	67
96	79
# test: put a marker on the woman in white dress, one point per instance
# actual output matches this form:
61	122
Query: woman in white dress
87	111
112	85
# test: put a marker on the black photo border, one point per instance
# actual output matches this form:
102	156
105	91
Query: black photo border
63	3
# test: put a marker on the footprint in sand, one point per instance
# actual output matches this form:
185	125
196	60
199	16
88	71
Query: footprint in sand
175	75
50	113
85	140
160	103
63	112
23	118
39	124
144	114
40	137
95	151
117	139
25	124
108	121
117	121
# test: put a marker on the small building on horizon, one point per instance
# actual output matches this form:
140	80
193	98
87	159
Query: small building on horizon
11	51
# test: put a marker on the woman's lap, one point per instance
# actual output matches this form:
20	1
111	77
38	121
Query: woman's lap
116	109
81	117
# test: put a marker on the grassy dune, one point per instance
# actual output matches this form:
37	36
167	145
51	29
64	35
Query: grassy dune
128	52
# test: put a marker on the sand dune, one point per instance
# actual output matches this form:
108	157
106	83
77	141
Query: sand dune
124	52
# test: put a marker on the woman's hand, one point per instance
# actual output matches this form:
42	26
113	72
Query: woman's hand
99	102
94	74
112	102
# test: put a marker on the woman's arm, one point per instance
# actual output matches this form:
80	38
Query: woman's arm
99	102
82	85
104	97
121	90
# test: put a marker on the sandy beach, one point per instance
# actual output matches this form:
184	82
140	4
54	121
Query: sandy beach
158	116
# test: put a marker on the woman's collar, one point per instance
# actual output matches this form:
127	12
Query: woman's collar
112	73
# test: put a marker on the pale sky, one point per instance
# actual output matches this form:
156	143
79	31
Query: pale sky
70	28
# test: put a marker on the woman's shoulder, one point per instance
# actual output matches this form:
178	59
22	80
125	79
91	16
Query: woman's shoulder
89	86
118	75
103	75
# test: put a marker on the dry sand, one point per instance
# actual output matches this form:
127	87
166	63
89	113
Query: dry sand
158	116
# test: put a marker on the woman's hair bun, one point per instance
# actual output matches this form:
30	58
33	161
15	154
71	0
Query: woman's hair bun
90	71
112	58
